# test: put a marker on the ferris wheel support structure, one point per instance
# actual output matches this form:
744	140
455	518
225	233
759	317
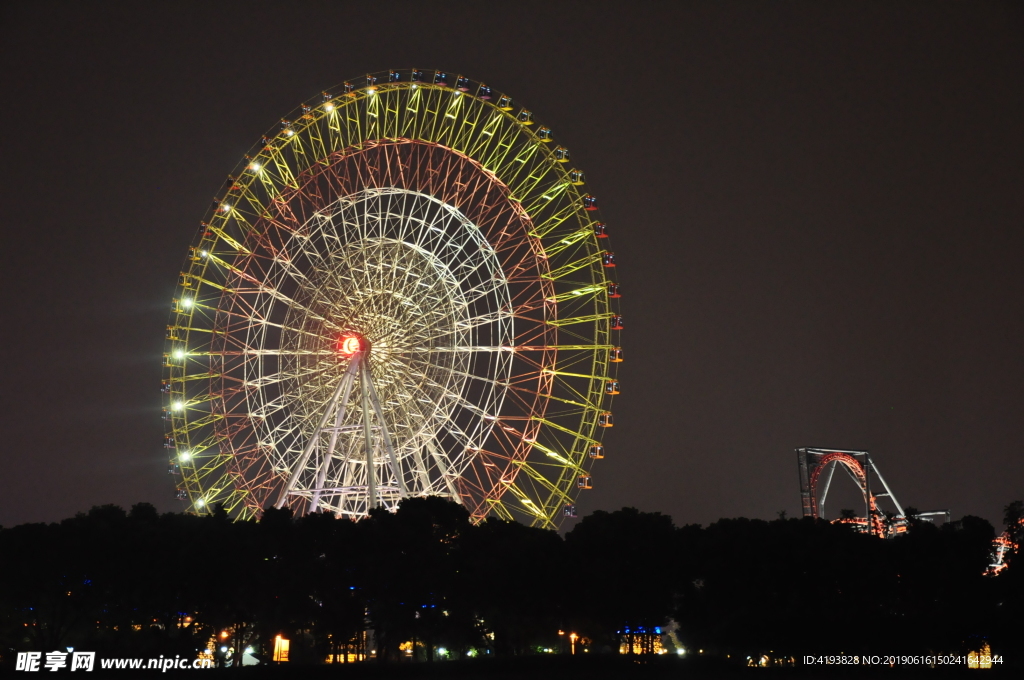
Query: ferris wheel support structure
358	367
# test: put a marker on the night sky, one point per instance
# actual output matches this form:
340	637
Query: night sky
817	211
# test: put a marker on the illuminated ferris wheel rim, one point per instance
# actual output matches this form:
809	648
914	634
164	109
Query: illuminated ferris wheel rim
573	381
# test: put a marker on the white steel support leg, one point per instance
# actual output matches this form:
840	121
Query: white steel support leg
371	473
304	458
388	448
442	465
421	470
824	493
348	379
887	489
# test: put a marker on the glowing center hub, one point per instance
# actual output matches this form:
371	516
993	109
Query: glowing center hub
351	343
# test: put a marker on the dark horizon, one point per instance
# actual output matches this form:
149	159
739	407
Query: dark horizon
816	212
431	585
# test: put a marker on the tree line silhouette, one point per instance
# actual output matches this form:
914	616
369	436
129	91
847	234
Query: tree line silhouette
426	578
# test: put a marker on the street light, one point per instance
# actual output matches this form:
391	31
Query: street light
572	639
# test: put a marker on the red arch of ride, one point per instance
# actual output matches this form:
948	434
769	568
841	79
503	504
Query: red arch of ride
854	466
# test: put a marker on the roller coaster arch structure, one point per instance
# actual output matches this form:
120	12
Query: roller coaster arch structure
817	466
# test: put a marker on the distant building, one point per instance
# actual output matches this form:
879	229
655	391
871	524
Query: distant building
641	640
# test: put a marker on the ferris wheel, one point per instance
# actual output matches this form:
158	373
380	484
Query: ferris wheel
403	290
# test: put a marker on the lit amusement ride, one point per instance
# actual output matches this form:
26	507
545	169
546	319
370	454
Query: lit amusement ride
403	290
816	467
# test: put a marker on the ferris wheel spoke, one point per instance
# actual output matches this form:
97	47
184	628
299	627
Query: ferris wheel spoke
538	507
279	259
283	376
484	319
459	400
257	352
526	398
300	331
454	431
473	322
459	349
281	436
270	408
420	471
445	470
291	302
485	289
428	391
469	268
463	374
479	292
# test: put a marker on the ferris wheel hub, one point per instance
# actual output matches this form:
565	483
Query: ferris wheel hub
351	344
